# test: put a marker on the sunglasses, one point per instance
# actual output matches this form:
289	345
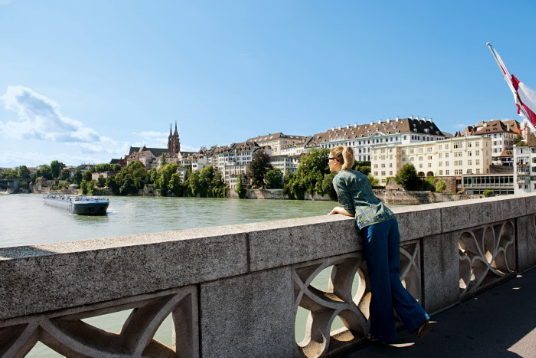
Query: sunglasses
332	158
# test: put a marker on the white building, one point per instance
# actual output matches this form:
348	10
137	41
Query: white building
525	164
502	134
449	157
362	138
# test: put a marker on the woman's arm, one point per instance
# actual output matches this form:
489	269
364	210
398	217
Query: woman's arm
340	210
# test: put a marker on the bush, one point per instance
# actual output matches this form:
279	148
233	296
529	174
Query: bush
487	193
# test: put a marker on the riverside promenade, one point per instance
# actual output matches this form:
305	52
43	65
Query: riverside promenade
499	322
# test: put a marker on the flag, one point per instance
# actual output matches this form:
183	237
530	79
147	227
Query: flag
524	97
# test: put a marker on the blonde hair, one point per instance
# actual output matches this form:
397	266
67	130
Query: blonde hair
344	155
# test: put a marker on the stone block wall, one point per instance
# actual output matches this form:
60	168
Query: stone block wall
234	291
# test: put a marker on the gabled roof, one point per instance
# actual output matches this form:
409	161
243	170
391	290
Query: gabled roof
380	128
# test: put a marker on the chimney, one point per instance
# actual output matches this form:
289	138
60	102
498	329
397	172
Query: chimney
347	126
396	118
417	117
410	117
355	125
424	119
388	119
379	121
339	127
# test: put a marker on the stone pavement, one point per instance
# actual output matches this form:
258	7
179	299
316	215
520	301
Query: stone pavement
500	322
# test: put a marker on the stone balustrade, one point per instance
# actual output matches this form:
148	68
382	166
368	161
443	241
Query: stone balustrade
234	291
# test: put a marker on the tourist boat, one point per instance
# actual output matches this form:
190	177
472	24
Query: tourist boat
78	204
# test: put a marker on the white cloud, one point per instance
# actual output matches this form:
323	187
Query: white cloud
5	2
40	118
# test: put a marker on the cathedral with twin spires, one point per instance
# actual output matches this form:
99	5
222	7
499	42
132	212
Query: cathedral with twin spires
174	142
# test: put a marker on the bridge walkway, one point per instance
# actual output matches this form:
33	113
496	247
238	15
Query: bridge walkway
500	322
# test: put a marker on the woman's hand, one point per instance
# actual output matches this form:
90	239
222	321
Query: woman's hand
339	210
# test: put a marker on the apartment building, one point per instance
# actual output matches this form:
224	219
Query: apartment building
363	138
285	163
502	133
449	157
525	164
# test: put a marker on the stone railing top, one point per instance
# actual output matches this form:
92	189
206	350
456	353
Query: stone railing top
42	278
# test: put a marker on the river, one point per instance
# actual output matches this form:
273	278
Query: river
25	220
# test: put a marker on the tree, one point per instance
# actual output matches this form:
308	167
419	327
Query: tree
310	175
44	172
362	167
163	160
164	176
259	166
175	184
55	168
87	175
24	172
128	186
9	174
240	189
327	185
407	177
101	182
194	183
65	174
441	186
111	183
77	176
518	140
274	179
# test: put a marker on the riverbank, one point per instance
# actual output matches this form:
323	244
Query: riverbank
388	196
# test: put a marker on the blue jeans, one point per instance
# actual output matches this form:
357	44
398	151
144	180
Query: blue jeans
382	253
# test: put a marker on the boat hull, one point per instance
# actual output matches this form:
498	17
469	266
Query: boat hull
79	205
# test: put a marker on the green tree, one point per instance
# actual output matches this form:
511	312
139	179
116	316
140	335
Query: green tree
9	174
112	184
258	167
310	175
373	181
90	187
362	167
175	184
101	182
44	171
65	174
194	183
115	167
206	175
441	186
77	176
327	186
87	175
407	177
55	168
240	189
164	176
128	186
274	179
24	172
83	187
101	168
518	140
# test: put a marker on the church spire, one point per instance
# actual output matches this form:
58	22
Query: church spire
176	131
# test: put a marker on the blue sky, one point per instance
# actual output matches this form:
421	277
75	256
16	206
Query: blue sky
81	81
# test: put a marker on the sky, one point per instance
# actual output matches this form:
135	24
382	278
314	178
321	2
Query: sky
82	81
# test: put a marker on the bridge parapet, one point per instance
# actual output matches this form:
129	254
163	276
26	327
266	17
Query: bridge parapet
234	291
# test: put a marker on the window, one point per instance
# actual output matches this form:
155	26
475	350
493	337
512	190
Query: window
477	153
446	146
446	163
458	154
440	155
469	171
469	162
447	172
440	172
429	165
447	155
430	157
469	153
429	149
440	164
477	144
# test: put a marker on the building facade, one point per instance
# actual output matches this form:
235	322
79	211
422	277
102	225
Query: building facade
363	138
449	157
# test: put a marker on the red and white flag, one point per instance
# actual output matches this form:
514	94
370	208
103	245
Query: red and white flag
524	97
